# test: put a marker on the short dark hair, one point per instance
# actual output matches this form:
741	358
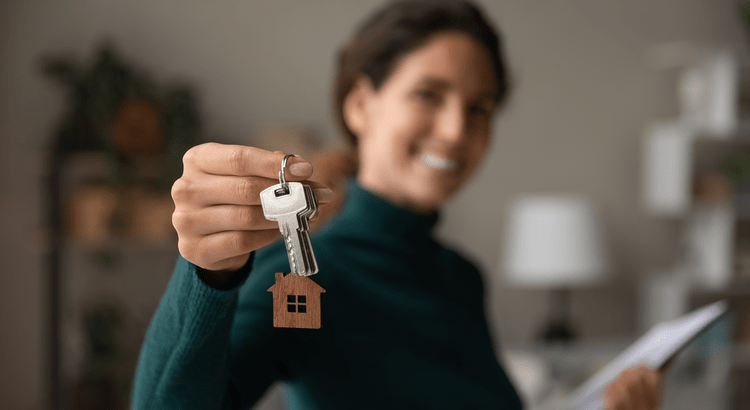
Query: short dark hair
402	27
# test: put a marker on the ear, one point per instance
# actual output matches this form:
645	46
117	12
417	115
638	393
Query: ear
356	106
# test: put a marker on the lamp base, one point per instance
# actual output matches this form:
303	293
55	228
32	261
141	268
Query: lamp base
557	331
558	328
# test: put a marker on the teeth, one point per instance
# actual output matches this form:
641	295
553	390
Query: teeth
438	162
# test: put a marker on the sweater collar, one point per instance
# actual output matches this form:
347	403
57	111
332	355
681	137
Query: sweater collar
373	215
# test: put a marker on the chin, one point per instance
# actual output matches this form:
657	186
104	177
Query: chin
433	197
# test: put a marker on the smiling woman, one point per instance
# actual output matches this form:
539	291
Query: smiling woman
422	134
403	316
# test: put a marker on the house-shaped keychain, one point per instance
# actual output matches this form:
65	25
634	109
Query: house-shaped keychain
296	301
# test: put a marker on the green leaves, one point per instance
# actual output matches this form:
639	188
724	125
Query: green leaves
95	94
738	168
745	13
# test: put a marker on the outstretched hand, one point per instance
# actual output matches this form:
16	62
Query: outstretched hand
637	388
218	216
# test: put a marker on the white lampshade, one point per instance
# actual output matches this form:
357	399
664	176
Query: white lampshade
553	240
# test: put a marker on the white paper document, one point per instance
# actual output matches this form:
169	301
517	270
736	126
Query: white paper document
654	348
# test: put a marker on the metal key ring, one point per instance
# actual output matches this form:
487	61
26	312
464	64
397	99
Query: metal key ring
282	177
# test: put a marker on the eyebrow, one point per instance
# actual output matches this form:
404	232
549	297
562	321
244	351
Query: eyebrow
443	84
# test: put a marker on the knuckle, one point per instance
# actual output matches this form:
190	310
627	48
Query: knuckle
186	248
245	217
189	159
183	191
240	242
238	160
247	188
182	222
178	189
178	219
203	255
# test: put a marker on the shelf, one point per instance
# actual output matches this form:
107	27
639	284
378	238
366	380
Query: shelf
128	245
740	137
101	166
741	355
744	141
739	290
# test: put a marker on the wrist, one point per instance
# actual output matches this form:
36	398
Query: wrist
225	279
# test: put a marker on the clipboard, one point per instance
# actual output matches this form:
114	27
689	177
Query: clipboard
655	348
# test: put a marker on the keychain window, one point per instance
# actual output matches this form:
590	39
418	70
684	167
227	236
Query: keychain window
296	303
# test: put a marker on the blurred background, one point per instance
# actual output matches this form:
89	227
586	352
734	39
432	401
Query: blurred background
628	120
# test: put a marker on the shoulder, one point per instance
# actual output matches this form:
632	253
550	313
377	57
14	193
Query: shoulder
458	259
462	272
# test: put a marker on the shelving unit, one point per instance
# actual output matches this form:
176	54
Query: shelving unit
107	277
708	154
684	182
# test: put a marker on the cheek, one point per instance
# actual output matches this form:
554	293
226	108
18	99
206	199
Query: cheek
400	127
478	149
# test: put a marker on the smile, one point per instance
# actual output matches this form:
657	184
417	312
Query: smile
436	162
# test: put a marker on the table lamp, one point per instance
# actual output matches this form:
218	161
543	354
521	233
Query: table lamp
553	241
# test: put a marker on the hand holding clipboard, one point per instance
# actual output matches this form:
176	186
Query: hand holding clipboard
656	349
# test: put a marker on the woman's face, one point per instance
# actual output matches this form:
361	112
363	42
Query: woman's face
423	134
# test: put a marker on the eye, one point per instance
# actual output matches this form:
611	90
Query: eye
478	110
428	96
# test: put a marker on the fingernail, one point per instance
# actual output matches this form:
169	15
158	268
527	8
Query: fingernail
323	194
301	169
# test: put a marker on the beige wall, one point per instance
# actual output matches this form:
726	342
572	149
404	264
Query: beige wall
583	94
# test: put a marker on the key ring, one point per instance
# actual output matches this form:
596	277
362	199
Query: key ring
282	177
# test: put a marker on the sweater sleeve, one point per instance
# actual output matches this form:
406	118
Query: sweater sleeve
188	358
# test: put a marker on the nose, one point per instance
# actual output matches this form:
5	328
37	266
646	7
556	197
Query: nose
451	122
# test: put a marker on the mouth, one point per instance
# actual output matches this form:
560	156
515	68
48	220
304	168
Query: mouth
436	162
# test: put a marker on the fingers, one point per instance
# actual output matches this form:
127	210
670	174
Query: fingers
651	382
226	250
239	160
637	388
616	396
221	218
636	393
211	190
218	217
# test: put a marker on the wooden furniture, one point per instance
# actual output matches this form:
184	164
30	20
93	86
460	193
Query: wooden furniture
112	251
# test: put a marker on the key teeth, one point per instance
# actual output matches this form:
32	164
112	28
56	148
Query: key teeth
290	253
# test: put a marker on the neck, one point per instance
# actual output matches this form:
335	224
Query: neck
399	199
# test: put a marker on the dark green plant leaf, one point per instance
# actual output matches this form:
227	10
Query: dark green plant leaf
105	258
738	168
745	13
63	71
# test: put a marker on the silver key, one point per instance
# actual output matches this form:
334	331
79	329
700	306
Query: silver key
292	208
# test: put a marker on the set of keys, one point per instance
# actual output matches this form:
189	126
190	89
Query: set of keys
292	205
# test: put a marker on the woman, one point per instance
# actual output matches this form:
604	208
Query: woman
403	317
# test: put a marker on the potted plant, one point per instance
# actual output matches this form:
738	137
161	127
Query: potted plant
121	114
738	168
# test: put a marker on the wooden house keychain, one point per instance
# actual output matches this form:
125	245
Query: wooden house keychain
296	297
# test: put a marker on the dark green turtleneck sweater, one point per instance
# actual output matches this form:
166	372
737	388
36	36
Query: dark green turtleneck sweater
403	326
